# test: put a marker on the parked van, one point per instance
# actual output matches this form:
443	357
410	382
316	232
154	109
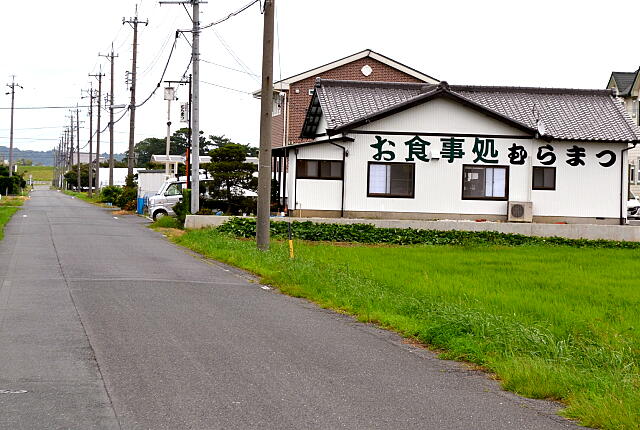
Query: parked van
162	203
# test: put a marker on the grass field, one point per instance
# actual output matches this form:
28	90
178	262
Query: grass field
8	207
39	173
551	322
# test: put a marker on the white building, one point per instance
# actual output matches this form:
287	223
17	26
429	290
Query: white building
420	151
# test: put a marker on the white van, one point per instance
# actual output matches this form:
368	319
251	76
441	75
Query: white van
162	203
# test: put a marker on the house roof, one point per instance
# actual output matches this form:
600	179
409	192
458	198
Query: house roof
285	83
568	114
623	81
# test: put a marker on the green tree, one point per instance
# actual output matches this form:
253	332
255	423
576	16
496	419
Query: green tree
221	141
230	172
72	176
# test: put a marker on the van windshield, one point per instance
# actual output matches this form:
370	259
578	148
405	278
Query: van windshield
174	190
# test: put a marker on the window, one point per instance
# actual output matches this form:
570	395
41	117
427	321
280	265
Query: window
632	173
174	190
319	169
544	178
485	183
278	101
391	180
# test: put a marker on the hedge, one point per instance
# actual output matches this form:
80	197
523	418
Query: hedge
367	233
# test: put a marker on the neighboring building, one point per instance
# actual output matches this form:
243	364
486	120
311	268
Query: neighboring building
84	158
292	95
418	151
627	87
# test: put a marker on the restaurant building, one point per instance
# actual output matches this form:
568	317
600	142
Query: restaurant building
433	151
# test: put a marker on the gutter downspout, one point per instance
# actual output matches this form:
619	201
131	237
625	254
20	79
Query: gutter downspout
622	184
344	157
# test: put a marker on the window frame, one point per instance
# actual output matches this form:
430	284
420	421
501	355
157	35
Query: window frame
392	196
492	166
543	188
319	177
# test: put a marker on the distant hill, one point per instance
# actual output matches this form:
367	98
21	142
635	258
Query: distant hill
38	157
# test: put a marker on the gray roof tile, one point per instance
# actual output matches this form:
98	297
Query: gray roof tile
568	114
624	81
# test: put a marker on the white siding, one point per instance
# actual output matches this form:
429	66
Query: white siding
442	116
581	191
314	194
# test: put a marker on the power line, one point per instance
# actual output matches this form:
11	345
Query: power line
43	107
175	41
228	68
233	54
226	88
232	14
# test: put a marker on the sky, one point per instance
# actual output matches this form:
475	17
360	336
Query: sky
52	46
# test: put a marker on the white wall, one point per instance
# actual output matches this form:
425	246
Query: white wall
581	191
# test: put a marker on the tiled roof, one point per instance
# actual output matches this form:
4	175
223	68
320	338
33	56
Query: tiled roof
568	114
624	81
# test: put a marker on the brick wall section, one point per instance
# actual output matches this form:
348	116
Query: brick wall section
299	102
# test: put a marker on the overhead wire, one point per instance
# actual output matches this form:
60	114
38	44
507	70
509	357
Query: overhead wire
175	41
233	55
232	14
226	88
228	68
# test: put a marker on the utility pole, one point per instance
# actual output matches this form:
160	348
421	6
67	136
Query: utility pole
13	86
99	76
266	106
71	132
195	102
132	114
78	143
112	61
91	96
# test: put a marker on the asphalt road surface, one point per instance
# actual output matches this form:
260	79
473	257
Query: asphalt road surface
106	325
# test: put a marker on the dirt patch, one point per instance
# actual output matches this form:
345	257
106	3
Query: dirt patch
170	232
121	212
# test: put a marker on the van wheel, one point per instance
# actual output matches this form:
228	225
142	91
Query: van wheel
159	214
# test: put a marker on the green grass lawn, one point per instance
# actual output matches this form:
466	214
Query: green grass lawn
39	173
8	207
95	198
557	323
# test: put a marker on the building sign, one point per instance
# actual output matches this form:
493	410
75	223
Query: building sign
484	151
184	112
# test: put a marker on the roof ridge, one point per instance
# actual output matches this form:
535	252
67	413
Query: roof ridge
534	90
352	83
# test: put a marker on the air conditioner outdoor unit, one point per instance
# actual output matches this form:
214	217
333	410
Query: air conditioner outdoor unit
520	212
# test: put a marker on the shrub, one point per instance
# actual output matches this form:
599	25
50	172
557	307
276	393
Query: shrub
367	233
110	194
167	222
11	185
127	198
182	208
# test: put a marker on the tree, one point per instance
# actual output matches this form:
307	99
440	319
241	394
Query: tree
179	142
221	141
72	176
230	172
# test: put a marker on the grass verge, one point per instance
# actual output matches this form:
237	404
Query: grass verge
557	323
8	207
95	199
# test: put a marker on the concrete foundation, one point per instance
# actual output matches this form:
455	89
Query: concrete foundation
570	231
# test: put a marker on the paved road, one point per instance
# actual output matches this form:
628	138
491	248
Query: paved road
107	325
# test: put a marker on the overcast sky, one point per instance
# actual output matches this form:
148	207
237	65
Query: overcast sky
52	46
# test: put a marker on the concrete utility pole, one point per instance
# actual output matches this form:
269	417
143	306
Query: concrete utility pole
71	149
78	143
99	76
91	96
132	114
266	106
112	61
195	101
13	86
